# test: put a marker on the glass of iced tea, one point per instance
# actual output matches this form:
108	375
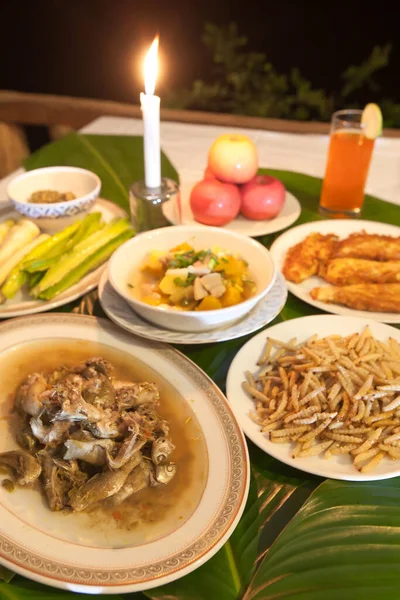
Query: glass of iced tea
349	157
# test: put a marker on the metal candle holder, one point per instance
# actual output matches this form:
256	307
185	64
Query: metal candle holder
151	206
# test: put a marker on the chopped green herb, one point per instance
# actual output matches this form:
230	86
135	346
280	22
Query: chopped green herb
179	281
212	263
180	261
225	260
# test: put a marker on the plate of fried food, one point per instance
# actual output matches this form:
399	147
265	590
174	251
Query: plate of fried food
344	267
322	394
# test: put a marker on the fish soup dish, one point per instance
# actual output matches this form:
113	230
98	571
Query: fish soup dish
184	279
103	439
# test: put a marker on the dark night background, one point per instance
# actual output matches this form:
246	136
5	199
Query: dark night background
93	48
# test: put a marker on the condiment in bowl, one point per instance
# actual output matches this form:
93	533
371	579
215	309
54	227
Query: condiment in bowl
191	278
54	197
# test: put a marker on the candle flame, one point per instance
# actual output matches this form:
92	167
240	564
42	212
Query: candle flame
151	67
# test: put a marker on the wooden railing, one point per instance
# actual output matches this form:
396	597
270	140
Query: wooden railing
63	113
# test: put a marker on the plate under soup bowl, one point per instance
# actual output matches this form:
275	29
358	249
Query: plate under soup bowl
126	262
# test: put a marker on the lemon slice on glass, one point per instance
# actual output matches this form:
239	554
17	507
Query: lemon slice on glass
372	121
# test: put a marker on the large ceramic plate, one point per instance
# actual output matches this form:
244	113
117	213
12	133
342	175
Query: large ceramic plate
123	315
289	214
342	228
64	550
23	304
337	467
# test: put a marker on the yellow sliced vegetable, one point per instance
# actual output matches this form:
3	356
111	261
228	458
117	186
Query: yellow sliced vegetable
231	297
185	247
167	285
152	263
18	236
5	228
209	303
7	266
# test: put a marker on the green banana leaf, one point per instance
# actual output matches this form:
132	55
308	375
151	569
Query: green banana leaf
343	543
340	542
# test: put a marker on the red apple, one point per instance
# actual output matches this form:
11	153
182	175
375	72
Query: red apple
233	158
208	174
262	198
214	203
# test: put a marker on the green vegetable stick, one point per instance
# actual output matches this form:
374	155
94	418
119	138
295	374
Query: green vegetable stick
34	279
47	247
88	225
81	251
56	241
88	264
15	280
41	264
15	283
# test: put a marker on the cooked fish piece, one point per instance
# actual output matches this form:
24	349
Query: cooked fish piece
199	290
99	364
25	468
128	448
383	297
98	390
53	487
136	481
23	432
102	486
164	473
214	284
59	478
77	409
49	434
28	398
369	246
161	449
93	452
348	271
25	439
105	428
130	394
303	260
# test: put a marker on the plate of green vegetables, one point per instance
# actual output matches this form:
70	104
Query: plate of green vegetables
39	272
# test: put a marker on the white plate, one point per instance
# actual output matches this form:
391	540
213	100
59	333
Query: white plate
342	228
289	214
22	304
63	549
123	315
337	467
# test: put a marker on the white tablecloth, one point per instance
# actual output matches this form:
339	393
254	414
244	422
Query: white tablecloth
187	145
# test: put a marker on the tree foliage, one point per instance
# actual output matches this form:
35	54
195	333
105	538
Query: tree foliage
246	83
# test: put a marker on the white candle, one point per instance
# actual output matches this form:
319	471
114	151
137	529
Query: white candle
151	120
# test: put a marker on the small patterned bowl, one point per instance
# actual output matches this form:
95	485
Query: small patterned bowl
54	217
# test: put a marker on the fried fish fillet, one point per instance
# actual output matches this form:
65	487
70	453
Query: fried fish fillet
363	296
368	246
349	271
303	260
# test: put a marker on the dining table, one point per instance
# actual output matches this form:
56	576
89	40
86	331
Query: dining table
277	491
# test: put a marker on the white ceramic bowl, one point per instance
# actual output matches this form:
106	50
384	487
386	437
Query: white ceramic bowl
54	217
130	255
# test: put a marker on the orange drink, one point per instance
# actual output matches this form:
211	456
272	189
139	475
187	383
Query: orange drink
349	157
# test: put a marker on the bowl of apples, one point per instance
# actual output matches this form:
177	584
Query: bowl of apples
234	195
